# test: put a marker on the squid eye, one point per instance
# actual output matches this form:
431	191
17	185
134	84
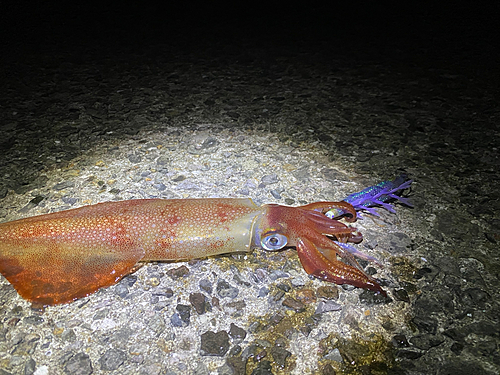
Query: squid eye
274	241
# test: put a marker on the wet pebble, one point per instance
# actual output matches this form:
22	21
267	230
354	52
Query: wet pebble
426	341
178	272
214	344
237	334
163	160
275	194
235	308
334	355
298	281
157	323
259	275
160	186
400	341
401	295
263	368
237	365
277	295
425	323
328	292
201	369
306	296
325	306
264	291
224	289
280	355
33	320
64	185
328	370
250	351
199	302
121	290
134	158
277	274
268	180
373	298
294	304
182	317
29	367
77	364
283	287
112	359
69	200
206	286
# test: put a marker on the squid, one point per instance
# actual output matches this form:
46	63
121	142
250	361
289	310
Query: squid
60	257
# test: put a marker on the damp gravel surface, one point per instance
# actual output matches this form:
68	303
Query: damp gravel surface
277	122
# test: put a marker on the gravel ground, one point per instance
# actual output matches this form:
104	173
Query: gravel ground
279	122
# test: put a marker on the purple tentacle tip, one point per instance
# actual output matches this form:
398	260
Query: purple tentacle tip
382	194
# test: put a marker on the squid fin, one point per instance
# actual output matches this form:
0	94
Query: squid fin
59	272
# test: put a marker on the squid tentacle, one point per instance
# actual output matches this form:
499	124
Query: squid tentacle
318	265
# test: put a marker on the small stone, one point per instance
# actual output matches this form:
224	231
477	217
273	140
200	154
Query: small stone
184	313
160	186
235	350
235	308
112	359
78	364
121	290
64	185
325	306
280	355
237	364
294	304
264	291
277	295
69	200
306	296
426	341
134	158
277	274
198	300
269	179
283	287
201	369
400	341
328	292
263	368
29	367
176	321
178	272
298	281
33	320
328	370
163	160
426	323
334	355
237	333
225	369
206	285
224	289
370	297
401	295
157	323
275	194
260	356
214	344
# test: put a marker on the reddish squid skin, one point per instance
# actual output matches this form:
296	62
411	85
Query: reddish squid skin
60	257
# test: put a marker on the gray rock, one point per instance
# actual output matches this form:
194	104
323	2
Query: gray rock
112	359
78	364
